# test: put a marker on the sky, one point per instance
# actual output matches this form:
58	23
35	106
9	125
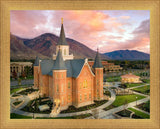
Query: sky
109	30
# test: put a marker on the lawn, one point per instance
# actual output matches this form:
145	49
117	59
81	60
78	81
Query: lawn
113	79
122	99
144	106
16	103
17	116
134	84
29	90
146	80
15	90
144	89
140	114
69	117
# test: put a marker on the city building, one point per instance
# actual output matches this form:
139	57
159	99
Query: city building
19	67
107	66
68	80
130	78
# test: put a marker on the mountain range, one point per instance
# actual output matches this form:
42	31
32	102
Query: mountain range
45	46
128	55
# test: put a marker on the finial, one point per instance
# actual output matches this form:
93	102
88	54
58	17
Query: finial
61	20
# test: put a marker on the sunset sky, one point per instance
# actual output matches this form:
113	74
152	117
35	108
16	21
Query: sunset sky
107	29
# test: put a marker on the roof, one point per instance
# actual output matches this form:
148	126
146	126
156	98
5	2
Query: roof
46	66
97	62
21	63
129	76
36	63
62	39
59	62
73	67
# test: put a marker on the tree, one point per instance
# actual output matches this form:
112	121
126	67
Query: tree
14	75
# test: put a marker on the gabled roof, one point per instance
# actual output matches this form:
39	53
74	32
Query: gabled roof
97	62
62	39
59	62
36	63
130	75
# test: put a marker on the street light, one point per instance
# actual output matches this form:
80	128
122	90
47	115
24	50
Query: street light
136	101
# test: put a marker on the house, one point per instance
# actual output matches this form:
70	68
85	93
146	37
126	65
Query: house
130	78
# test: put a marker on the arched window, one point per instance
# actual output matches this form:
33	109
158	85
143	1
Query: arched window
85	84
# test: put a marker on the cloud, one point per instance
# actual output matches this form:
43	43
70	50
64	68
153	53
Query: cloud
92	28
125	17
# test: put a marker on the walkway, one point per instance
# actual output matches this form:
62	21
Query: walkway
103	114
100	108
141	110
111	111
23	82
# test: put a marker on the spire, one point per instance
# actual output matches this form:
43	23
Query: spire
62	39
36	63
97	62
59	63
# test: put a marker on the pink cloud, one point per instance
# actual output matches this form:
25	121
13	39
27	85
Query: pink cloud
87	27
125	17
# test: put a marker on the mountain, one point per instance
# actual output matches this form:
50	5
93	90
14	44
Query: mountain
128	55
20	51
45	46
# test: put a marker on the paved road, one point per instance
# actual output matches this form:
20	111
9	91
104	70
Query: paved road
111	111
103	114
111	100
23	82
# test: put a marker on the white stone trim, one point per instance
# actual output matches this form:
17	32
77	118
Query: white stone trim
86	63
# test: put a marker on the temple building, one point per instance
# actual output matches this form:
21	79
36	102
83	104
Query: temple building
69	80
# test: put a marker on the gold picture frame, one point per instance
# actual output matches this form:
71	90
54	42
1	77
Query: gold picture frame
7	5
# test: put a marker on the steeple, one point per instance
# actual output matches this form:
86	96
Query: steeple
62	39
36	63
97	62
59	62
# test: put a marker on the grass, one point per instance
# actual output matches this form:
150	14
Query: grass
144	106
30	90
113	79
121	99
17	103
146	80
69	117
133	84
140	114
74	109
17	116
15	90
15	95
144	89
124	113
